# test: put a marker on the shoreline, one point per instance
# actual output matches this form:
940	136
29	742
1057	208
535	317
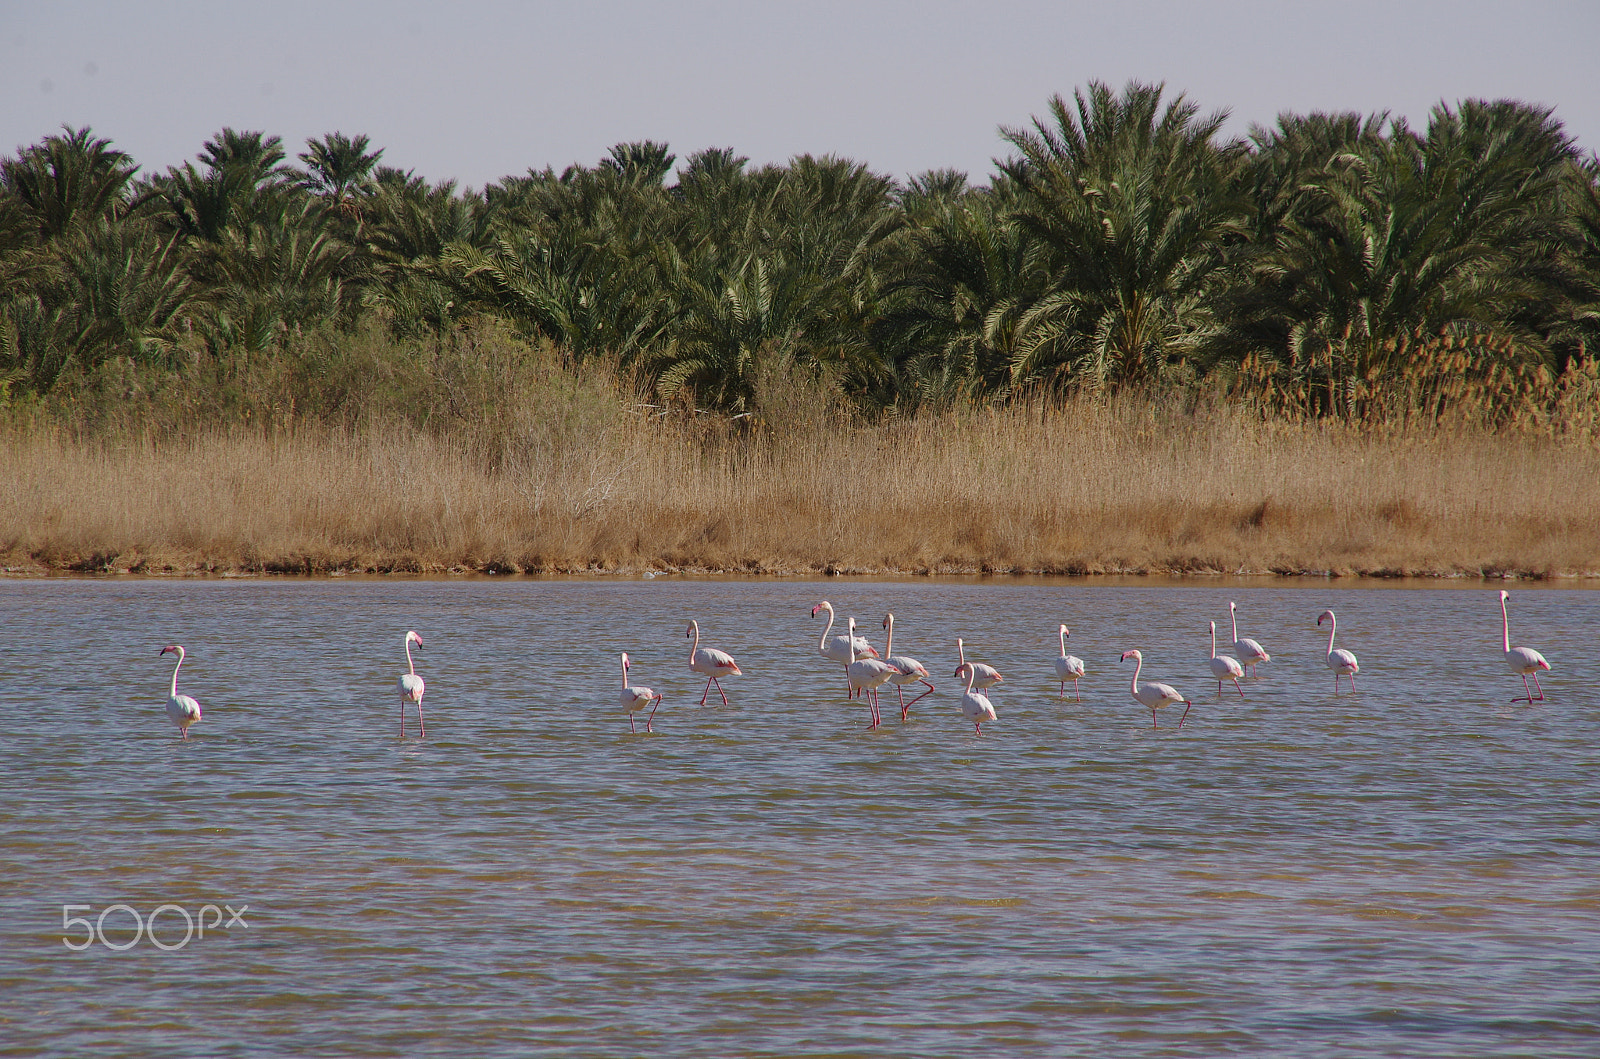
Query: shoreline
407	568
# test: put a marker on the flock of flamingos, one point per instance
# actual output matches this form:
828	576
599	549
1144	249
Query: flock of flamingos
865	671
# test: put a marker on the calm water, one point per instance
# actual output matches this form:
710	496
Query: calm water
1412	869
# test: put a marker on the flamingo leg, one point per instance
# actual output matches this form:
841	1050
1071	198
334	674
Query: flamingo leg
724	694
402	718
1531	697
906	706
1153	724
650	719
1076	693
706	692
1186	705
1236	684
422	728
631	728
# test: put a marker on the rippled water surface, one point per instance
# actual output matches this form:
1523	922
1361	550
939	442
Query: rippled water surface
1410	869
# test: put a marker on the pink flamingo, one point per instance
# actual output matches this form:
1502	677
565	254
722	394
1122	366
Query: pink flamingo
841	649
411	688
1155	696
1223	667
182	710
1068	667
1522	660
866	675
1342	662
983	676
632	698
1251	654
975	707
907	670
711	662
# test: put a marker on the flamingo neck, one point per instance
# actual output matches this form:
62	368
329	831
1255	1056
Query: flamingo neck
961	651
694	648
888	643
1138	664
823	643
972	675
1233	615
175	673
624	672
1333	627
1214	638
1505	627
1063	636
410	665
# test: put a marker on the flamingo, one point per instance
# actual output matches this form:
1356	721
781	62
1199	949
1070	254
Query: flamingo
1522	660
1343	663
866	675
907	670
182	710
983	676
632	698
975	707
841	649
1223	667
1068	667
1251	654
1155	696
411	688
711	662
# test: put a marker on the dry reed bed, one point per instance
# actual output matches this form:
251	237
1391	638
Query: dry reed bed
1089	487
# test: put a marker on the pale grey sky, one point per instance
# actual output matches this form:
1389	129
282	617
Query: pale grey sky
480	90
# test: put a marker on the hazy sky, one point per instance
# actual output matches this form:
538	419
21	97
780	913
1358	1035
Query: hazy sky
477	91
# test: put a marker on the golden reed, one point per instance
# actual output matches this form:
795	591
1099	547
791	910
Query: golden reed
1084	486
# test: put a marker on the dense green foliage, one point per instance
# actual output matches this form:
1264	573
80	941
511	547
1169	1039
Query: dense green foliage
1123	241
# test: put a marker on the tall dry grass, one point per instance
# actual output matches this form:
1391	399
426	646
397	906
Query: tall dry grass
581	478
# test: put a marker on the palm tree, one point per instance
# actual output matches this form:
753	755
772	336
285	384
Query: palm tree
411	226
112	290
68	181
1135	204
1458	231
280	272
732	325
338	167
642	164
968	273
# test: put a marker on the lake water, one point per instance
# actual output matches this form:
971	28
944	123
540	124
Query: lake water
1412	869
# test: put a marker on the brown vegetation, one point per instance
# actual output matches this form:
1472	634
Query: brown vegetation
568	477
